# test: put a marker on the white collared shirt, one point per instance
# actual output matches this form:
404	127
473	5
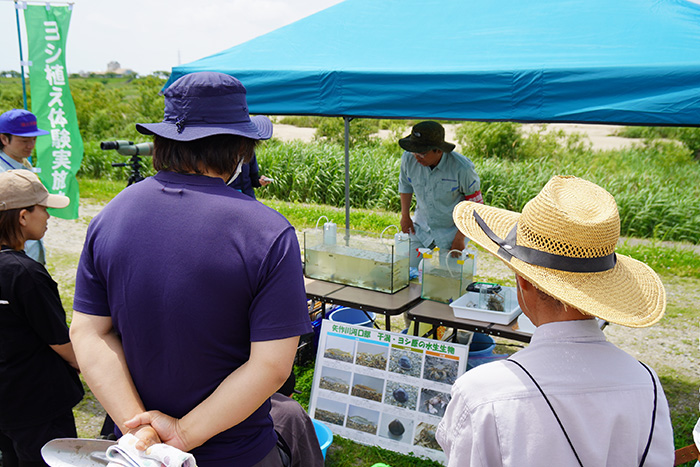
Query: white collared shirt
603	396
8	163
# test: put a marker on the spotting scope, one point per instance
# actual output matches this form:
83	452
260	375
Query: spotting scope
128	148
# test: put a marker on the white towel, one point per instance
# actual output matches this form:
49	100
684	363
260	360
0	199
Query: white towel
125	454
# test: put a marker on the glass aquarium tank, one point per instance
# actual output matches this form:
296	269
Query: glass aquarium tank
356	258
445	277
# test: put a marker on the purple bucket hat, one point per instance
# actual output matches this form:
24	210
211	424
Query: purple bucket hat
204	104
20	122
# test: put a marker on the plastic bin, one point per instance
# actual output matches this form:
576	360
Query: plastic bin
324	435
446	278
352	316
359	259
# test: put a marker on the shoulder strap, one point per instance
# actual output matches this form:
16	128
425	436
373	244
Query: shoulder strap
653	417
551	408
653	413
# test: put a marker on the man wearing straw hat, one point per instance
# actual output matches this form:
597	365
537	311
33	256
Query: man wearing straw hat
570	397
189	298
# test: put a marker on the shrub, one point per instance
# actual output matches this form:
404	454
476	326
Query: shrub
332	130
691	138
485	139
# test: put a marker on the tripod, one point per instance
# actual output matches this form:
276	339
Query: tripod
136	151
135	164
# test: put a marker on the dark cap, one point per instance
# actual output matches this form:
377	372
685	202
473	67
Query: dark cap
20	122
426	136
204	104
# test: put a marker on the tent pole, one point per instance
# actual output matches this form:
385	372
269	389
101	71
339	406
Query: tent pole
21	59
347	173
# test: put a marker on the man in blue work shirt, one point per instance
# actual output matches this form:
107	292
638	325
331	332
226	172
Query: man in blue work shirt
440	179
18	132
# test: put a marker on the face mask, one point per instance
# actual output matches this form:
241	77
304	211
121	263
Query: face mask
236	173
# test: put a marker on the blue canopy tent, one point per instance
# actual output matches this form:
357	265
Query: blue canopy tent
621	61
592	61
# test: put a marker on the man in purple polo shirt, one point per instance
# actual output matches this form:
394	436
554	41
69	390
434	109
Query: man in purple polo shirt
189	295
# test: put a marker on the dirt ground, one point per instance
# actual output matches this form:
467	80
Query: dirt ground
601	137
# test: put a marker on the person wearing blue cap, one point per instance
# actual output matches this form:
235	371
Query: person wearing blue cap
18	132
189	298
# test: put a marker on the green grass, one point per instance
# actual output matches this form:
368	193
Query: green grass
301	215
99	191
683	418
305	216
346	453
664	259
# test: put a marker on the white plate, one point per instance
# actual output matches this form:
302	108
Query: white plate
71	452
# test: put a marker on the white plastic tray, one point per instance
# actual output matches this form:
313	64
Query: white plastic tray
464	307
70	452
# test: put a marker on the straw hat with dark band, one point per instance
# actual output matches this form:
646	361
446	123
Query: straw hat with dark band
564	244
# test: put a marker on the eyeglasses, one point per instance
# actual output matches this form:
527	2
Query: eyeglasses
421	155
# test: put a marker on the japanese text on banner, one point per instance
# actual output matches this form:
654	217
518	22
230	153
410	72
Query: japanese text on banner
59	156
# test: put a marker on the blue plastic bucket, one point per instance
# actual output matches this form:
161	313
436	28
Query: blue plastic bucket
481	350
324	435
482	345
352	316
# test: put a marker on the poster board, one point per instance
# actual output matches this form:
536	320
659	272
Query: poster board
384	388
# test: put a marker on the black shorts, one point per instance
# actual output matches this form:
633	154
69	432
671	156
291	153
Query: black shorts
27	442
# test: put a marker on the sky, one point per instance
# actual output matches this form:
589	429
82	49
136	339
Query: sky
155	35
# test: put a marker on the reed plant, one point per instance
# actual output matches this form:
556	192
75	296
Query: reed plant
655	184
315	173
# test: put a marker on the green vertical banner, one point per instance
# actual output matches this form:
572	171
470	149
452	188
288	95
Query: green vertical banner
60	154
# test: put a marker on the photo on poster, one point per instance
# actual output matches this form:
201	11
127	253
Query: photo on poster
433	402
372	355
339	348
405	362
442	370
330	411
362	419
425	436
335	380
401	395
368	387
396	428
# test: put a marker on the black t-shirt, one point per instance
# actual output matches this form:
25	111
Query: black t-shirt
36	384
